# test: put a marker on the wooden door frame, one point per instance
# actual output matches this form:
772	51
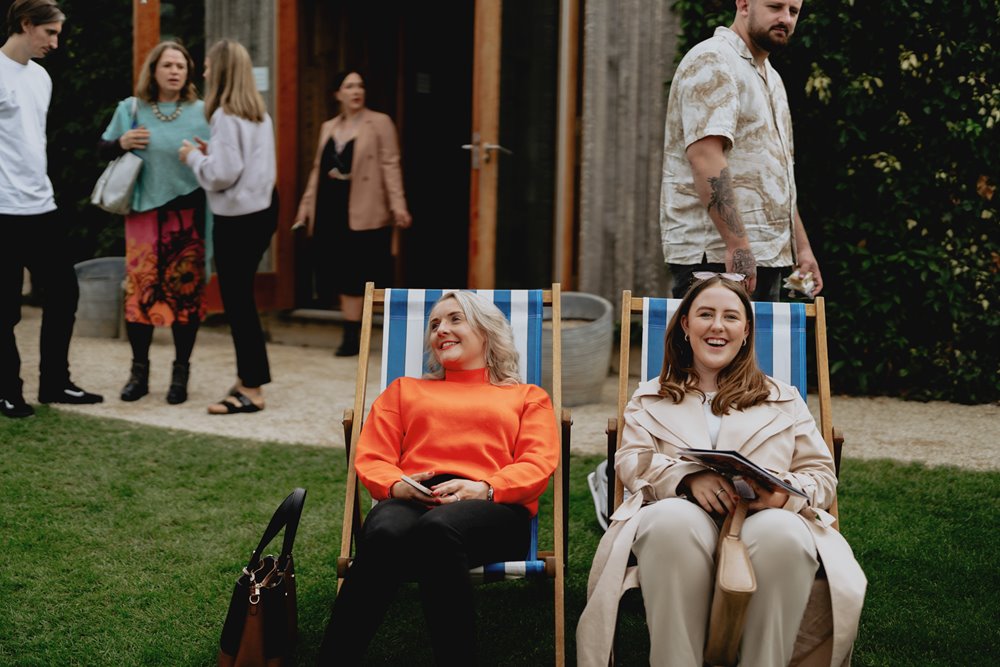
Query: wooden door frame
485	130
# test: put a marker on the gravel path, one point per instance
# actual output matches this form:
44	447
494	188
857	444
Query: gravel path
312	388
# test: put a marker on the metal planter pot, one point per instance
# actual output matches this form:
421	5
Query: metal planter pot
587	343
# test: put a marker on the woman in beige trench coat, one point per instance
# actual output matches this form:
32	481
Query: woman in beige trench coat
711	394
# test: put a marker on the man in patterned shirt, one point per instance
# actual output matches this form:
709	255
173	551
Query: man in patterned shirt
727	201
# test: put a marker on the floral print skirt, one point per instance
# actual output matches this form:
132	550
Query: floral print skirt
165	267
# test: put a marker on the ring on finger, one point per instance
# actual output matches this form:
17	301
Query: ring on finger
720	490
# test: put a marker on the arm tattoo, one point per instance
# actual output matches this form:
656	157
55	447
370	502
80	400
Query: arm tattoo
723	199
744	262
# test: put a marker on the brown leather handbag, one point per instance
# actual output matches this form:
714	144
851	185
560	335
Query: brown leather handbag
261	625
735	583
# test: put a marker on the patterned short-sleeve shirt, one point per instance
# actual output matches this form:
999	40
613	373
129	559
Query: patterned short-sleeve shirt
717	91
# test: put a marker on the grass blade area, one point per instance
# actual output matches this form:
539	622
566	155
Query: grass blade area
122	543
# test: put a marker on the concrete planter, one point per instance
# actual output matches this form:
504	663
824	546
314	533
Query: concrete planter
587	336
99	311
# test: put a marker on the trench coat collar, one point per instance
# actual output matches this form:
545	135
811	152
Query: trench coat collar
683	425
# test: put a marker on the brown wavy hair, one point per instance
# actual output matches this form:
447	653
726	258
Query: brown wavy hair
146	88
741	384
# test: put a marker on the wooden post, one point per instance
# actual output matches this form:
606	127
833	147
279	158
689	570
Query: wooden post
485	130
569	21
145	32
286	112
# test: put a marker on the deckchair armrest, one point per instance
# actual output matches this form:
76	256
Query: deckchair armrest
566	423
838	446
348	423
612	432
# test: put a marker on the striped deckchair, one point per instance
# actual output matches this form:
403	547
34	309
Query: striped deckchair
404	316
780	345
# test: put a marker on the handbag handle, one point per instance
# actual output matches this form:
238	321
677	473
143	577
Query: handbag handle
287	517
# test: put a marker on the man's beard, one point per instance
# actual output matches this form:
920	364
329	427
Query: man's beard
769	41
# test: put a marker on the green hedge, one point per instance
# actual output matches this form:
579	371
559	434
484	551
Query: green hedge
896	107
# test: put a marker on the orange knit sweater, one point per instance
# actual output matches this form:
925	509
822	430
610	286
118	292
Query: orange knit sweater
465	426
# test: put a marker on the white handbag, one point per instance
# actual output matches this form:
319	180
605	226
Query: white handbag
113	191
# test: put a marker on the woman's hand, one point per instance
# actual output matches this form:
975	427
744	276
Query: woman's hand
712	491
404	491
182	152
403	219
137	138
455	490
303	220
766	499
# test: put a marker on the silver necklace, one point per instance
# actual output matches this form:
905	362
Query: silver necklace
166	119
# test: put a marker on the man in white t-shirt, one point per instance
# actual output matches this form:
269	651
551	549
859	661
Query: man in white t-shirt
728	198
34	234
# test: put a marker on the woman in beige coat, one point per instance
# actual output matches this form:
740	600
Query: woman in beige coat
711	394
353	199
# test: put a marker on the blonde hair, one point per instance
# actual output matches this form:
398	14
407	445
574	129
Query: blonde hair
741	384
146	88
231	84
498	339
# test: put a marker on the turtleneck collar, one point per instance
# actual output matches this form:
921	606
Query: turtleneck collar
475	376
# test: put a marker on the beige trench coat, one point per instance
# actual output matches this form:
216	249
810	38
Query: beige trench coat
778	434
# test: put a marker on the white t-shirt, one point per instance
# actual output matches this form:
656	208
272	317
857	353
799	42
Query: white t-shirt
25	91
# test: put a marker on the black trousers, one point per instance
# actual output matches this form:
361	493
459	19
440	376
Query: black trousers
39	243
240	242
768	279
402	540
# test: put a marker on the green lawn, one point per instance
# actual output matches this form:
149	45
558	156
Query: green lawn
121	544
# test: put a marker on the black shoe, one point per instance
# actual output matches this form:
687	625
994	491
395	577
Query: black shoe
15	408
68	393
178	392
350	346
138	382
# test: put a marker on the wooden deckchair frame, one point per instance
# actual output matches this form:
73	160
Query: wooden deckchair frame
555	560
834	440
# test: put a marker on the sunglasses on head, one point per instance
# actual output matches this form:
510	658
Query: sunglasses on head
705	275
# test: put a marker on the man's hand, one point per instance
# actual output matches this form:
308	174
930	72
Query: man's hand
807	262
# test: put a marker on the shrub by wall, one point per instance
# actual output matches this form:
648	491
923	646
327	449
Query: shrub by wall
896	107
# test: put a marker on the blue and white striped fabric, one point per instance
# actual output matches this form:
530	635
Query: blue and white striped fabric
779	335
404	323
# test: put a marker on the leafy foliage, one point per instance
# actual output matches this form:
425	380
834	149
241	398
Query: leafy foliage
896	108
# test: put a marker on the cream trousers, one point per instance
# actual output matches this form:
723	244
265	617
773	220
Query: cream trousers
675	547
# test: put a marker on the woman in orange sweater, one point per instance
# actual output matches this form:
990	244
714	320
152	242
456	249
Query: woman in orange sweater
483	443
